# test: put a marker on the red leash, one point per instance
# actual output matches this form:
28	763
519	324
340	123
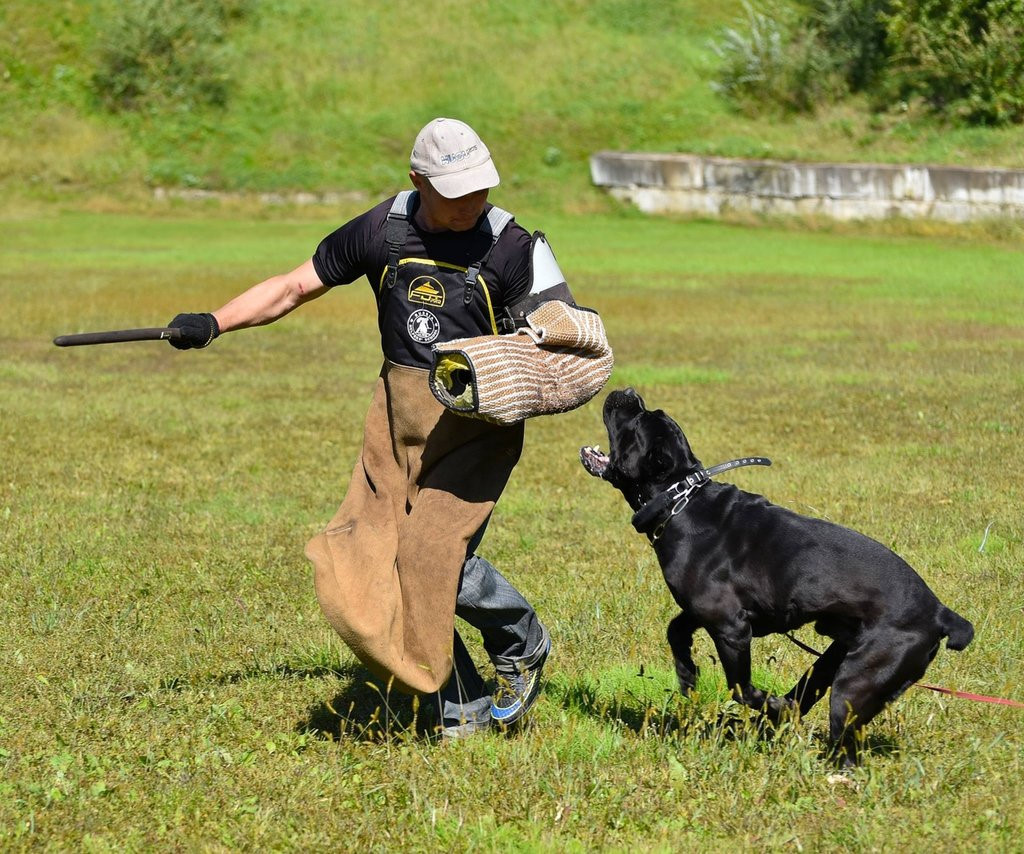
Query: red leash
981	698
964	695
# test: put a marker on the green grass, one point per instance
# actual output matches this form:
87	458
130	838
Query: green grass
167	680
329	96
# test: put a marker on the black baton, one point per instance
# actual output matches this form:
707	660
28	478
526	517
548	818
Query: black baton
162	333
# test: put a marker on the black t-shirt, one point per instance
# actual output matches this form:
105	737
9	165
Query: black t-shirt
359	248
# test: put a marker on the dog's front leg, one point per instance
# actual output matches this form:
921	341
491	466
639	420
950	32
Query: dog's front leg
680	641
732	641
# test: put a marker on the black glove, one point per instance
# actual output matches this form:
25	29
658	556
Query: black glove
197	331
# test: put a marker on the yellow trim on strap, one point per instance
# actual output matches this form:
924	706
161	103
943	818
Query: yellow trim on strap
490	308
428	262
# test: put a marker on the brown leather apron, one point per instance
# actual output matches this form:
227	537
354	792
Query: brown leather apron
387	566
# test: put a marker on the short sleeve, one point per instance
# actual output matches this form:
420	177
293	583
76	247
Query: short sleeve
348	252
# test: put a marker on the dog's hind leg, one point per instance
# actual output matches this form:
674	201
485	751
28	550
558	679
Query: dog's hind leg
680	641
873	673
816	681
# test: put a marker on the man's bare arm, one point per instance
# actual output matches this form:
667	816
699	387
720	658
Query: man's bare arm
271	299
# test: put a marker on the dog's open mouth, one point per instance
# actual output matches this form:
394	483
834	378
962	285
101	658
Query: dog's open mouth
594	461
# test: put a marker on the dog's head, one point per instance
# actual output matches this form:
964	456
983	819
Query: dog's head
647	449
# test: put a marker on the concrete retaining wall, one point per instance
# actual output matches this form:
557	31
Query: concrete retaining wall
659	183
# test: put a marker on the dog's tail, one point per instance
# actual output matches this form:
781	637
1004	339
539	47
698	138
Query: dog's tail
959	632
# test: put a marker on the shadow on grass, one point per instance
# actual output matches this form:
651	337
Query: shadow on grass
178	684
365	710
709	717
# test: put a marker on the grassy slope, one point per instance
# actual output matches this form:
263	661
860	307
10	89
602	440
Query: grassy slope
329	95
168	681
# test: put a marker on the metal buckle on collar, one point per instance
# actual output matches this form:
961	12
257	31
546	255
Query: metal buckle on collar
682	499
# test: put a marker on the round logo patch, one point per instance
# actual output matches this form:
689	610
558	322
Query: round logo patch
423	326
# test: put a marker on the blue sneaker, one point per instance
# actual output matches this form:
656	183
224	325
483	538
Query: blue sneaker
519	684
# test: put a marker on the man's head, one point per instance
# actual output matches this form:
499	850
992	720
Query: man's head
452	169
454	159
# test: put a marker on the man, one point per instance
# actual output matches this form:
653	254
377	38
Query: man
443	264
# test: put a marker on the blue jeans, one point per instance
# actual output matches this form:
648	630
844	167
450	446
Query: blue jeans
509	627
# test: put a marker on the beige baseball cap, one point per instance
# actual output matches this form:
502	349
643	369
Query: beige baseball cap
453	158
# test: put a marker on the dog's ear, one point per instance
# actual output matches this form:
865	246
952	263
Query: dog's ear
669	454
658	460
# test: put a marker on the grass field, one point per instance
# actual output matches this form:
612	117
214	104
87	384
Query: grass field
166	678
328	96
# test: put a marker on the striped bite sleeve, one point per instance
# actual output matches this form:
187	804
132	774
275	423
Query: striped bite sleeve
556	363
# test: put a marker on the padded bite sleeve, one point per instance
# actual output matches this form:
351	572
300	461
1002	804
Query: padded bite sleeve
557	362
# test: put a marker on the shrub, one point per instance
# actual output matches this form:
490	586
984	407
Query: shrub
964	57
155	54
853	32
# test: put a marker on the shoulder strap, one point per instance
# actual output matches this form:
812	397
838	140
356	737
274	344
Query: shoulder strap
496	221
396	232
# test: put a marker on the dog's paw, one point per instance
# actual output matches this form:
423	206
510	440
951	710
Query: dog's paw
686	676
594	461
686	683
776	708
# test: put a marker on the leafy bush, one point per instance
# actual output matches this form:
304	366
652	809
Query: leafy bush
853	32
155	54
964	57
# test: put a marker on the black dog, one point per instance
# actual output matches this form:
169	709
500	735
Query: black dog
740	567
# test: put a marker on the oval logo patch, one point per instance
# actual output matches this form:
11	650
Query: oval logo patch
423	326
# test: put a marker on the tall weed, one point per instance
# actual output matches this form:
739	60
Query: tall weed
772	60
